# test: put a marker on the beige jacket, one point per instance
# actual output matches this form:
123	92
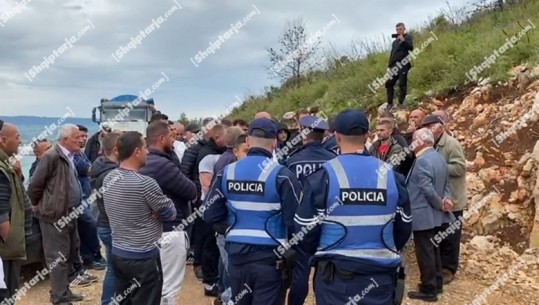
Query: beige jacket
453	153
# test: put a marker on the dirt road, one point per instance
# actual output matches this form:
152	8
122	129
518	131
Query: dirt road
461	292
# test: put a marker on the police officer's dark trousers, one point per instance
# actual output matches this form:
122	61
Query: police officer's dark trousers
299	289
333	286
256	283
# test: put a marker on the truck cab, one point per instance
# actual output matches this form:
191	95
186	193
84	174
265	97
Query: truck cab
125	113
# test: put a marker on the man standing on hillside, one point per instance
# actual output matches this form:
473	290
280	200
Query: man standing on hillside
399	65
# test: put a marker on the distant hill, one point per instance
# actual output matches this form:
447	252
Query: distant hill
47	121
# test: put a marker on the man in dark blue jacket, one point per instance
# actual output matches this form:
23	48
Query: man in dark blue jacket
100	168
90	250
174	242
366	217
260	197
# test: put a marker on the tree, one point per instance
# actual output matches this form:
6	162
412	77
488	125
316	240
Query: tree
296	54
184	119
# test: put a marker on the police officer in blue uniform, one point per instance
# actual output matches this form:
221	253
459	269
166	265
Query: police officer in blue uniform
304	162
330	143
312	155
356	213
258	198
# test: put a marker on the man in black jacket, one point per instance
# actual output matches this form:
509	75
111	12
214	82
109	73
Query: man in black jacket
174	242
195	140
396	134
189	165
99	170
93	146
205	243
40	147
399	65
386	147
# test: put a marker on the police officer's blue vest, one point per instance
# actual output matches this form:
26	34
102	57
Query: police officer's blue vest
361	205
254	205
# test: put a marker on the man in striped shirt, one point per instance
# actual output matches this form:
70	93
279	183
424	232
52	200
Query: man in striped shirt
136	208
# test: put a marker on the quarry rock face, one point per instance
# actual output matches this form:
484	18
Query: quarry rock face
499	132
533	161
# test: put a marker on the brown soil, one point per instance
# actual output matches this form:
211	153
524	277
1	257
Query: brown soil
462	291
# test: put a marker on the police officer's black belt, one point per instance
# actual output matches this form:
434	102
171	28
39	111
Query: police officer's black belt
278	264
328	270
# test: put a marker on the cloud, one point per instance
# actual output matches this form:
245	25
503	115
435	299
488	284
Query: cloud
85	73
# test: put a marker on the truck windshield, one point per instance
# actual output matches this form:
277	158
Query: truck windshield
116	114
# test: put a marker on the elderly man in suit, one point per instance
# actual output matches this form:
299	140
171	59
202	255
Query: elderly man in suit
428	188
453	153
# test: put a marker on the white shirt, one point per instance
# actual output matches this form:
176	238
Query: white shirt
2	283
206	165
179	149
68	154
422	151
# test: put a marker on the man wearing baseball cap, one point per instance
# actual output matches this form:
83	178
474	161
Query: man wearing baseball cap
366	213
262	196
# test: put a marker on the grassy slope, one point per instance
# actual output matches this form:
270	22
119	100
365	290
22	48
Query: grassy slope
439	67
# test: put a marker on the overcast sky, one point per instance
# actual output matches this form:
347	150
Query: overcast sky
86	71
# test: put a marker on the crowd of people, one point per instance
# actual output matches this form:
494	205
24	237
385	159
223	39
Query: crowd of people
347	199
